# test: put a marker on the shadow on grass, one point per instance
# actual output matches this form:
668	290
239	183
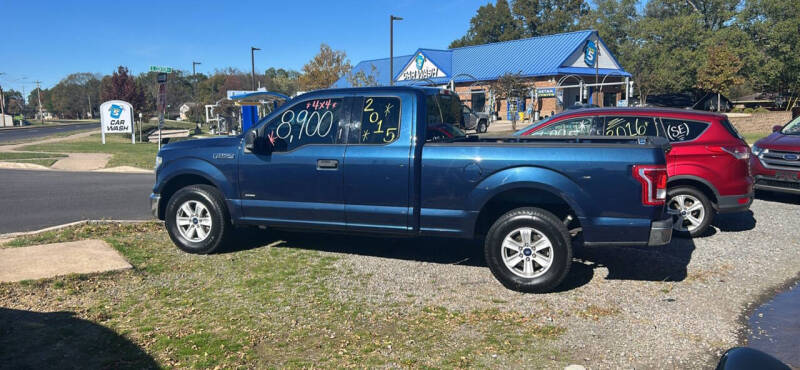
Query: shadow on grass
666	263
59	340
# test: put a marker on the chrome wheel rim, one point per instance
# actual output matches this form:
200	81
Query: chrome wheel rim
688	211
526	252
194	221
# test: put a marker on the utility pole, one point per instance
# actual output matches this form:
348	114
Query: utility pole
2	105
91	115
391	47
194	77
253	65
39	97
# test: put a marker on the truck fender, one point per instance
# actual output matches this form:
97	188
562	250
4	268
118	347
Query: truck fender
198	167
531	178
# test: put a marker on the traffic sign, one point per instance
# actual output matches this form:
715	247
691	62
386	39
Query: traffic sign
160	69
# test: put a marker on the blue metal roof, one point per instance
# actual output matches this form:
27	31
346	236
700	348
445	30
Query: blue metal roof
261	95
535	56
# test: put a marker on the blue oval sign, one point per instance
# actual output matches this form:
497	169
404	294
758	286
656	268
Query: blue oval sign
590	53
790	157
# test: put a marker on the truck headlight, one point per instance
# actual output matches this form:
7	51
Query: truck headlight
158	162
757	150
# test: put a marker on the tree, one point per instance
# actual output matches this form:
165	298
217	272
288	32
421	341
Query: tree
122	86
281	80
13	102
509	85
361	78
774	26
720	71
324	69
75	96
492	23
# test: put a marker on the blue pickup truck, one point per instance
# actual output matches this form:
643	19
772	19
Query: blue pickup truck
391	161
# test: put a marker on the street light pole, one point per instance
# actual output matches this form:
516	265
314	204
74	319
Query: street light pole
253	65
39	97
392	18
194	78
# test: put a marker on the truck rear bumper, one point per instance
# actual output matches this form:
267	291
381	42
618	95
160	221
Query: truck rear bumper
660	232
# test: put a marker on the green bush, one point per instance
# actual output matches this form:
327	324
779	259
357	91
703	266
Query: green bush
748	110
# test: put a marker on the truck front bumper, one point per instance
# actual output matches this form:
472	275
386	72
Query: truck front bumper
155	199
660	232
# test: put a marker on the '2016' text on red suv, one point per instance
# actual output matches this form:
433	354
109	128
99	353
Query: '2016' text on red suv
707	166
776	159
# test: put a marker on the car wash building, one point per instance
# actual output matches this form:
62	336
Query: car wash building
557	72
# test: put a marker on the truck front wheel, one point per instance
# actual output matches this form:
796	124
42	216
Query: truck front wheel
528	250
197	220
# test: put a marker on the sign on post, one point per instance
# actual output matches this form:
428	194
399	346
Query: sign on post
161	101
116	117
160	69
590	53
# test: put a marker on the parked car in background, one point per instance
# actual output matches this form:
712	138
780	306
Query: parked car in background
707	166
380	161
776	159
478	121
692	99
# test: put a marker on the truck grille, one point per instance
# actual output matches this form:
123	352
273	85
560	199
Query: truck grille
780	160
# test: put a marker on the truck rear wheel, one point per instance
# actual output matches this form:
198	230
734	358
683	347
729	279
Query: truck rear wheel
197	219
528	250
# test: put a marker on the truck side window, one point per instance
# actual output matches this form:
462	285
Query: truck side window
631	126
679	130
380	120
309	122
579	126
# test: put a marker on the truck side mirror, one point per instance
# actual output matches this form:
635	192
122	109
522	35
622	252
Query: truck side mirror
776	128
250	141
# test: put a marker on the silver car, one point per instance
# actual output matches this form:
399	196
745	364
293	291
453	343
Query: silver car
478	121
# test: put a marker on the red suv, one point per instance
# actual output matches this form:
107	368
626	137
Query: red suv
707	166
776	159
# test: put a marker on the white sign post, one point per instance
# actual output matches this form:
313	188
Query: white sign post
116	117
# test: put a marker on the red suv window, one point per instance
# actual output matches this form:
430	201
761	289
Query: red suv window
631	126
679	130
576	126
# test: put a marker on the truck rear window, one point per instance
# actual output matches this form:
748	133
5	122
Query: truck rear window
444	117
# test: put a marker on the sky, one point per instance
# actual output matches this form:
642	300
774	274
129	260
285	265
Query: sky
47	40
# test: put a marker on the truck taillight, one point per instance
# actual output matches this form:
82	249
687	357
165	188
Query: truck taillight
654	183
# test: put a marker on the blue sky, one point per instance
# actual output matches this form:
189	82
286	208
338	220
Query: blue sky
46	40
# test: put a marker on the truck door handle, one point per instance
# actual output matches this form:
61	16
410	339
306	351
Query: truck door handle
327	164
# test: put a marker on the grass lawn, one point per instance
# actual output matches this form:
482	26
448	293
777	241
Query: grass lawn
265	305
751	137
124	153
43	159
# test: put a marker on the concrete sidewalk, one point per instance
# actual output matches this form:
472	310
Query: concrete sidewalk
58	259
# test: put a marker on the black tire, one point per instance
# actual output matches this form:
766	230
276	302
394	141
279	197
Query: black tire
542	222
482	126
220	230
678	220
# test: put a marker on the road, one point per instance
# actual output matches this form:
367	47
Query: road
31	200
19	134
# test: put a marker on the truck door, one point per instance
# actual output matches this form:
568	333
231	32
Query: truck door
378	164
300	182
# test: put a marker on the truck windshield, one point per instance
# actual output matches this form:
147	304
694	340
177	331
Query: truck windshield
444	117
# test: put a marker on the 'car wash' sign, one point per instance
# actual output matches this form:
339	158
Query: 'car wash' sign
420	68
116	117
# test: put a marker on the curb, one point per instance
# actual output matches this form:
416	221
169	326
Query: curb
4	237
